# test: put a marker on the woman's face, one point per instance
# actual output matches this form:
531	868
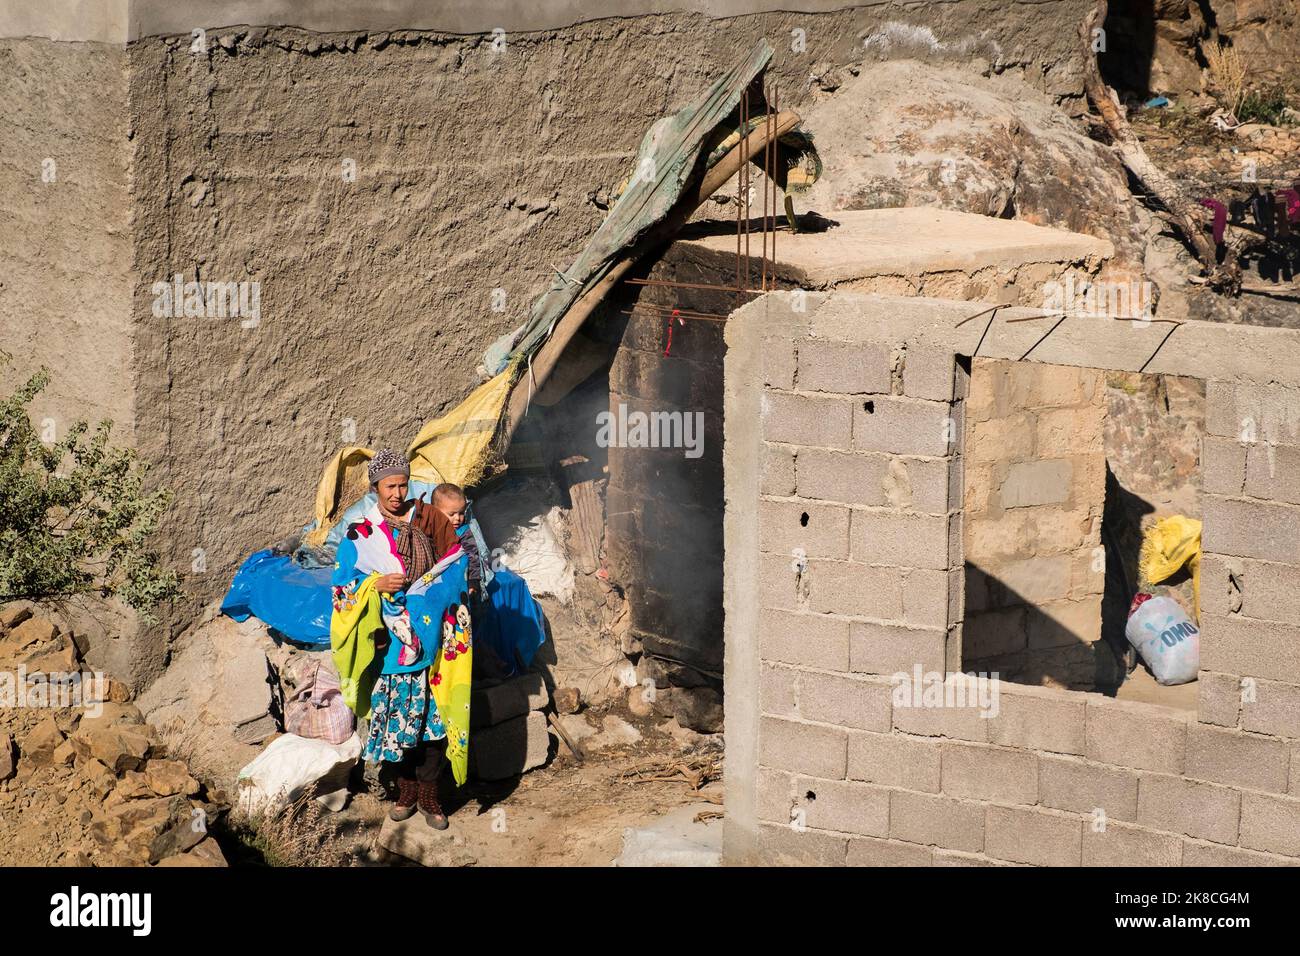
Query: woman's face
392	492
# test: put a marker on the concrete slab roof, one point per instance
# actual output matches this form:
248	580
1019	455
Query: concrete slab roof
914	241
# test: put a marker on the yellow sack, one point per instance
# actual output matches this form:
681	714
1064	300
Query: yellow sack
451	448
455	447
449	679
353	623
1169	544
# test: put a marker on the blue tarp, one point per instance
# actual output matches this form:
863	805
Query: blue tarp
296	602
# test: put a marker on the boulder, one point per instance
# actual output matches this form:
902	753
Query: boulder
118	748
13	614
32	632
169	777
39	745
698	709
567	700
100	781
8	758
906	133
204	853
614	732
413	839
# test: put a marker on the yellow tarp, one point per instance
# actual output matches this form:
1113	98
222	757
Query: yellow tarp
1169	544
452	448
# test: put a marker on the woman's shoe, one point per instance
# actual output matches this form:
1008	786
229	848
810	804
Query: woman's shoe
430	806
408	793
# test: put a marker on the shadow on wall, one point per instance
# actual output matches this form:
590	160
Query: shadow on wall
1055	645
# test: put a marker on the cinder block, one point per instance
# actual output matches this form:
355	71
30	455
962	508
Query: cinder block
905	427
894	760
821	530
845	701
807	420
936	821
1236	645
846	367
865	851
1267	591
929	373
857	590
778	691
1184	806
1135	735
1273	472
1275	709
776	795
510	748
842	476
926	594
779	362
511	698
1251	529
778	469
1237	759
810	640
1068	783
935	484
780	585
1039	837
1270	824
784	845
803	748
1223	466
978	772
1031	483
1218	698
888	649
905	540
1035	721
1121	845
956	723
1196	853
988	634
1250	412
846	807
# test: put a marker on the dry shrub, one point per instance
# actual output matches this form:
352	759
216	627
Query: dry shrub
1228	74
299	835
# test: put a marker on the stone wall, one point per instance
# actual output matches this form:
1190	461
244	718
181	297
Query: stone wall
1035	486
832	759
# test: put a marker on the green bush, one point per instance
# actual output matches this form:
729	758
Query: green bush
1264	106
74	516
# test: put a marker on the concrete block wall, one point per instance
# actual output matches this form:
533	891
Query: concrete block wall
830	760
1035	488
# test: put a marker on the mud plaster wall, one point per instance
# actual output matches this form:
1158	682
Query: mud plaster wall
474	171
825	764
1034	490
65	295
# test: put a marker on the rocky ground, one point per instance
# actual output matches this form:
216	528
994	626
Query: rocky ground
88	785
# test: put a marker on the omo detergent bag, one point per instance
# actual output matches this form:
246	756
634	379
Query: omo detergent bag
1166	638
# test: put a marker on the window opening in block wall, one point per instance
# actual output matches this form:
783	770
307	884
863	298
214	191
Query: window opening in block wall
1065	470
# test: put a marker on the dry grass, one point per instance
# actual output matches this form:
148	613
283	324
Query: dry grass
299	835
1228	74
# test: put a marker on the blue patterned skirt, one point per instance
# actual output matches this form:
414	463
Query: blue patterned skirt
404	713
